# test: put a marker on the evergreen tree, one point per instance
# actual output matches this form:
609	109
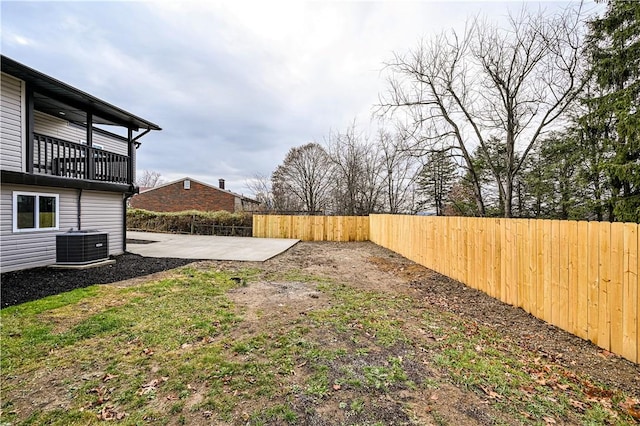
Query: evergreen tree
553	188
436	180
613	46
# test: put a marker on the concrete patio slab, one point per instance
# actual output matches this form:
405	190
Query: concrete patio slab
206	247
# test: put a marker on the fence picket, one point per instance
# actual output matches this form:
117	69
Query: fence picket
523	281
555	272
572	259
540	268
497	260
616	302
562	320
532	264
479	253
593	280
604	311
582	302
631	293
513	265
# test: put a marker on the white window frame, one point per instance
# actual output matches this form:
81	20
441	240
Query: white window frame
37	211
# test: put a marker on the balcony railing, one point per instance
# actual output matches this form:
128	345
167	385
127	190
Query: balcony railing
58	157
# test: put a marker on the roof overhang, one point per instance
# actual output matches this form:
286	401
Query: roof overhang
62	100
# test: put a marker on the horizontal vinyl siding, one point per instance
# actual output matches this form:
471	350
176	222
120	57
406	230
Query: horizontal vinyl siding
103	211
11	108
58	128
100	210
31	249
110	144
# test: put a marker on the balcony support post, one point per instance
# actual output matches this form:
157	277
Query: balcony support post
90	158
29	151
130	152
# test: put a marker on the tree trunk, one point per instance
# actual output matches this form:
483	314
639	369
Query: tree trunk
477	190
508	196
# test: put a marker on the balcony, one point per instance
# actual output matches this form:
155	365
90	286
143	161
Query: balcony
57	157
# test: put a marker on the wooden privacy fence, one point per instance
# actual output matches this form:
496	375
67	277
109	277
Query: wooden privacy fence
579	276
312	228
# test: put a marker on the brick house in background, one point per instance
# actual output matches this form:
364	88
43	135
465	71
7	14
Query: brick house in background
190	194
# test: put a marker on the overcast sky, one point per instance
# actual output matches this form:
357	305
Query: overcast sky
234	84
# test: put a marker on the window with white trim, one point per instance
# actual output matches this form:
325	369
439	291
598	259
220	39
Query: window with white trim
34	211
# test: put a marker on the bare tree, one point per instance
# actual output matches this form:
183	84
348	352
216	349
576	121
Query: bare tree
260	187
357	186
371	185
399	171
304	177
512	84
149	179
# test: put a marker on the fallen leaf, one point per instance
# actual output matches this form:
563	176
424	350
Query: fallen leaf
151	384
102	398
631	406
491	394
596	392
605	354
108	377
581	406
525	414
148	388
109	413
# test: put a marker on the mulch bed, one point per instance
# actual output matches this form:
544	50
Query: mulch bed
32	284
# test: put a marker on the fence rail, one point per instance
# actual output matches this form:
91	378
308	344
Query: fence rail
580	276
312	228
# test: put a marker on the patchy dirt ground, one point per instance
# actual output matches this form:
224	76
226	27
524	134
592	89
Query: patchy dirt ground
370	267
373	268
269	303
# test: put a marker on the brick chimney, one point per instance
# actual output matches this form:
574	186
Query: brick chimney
221	183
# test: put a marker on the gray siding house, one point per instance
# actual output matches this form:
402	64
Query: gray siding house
60	169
